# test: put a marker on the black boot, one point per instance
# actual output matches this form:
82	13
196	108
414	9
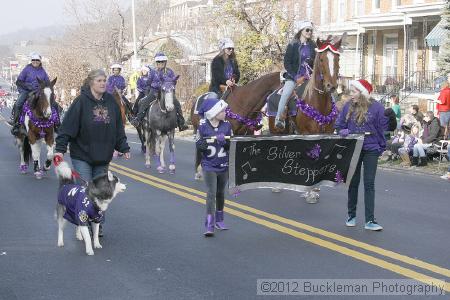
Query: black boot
181	123
414	161
422	161
15	130
12	120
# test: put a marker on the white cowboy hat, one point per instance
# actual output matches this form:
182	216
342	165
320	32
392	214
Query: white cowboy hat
34	56
116	66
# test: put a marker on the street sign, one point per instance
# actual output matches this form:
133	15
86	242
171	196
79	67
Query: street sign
14	64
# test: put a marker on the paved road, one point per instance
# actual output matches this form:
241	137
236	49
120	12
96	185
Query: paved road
154	248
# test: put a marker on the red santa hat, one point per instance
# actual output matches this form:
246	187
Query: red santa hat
363	86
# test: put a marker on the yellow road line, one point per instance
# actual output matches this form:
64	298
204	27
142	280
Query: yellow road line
314	240
387	253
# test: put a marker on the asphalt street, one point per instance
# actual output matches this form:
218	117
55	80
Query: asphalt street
154	248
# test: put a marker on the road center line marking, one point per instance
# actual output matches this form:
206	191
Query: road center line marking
320	242
322	232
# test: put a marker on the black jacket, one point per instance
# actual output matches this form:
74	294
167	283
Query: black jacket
218	73
292	58
93	128
434	130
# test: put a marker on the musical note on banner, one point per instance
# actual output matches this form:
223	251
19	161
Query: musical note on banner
249	168
338	155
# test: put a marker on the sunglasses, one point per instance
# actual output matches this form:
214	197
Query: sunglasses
231	49
36	60
308	30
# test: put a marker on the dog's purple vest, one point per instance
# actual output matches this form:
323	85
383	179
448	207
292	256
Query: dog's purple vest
79	209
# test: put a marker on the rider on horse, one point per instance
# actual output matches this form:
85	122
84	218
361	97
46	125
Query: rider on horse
143	87
116	80
298	62
156	78
224	68
27	83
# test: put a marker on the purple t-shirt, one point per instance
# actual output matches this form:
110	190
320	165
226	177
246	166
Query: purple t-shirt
305	56
229	70
143	83
215	159
79	209
115	81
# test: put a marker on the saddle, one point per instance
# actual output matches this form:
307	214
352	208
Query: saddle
274	99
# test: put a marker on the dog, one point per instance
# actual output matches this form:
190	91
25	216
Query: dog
81	205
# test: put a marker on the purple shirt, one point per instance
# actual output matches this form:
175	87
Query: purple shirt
305	56
215	159
115	81
79	209
143	83
376	124
229	70
157	77
29	76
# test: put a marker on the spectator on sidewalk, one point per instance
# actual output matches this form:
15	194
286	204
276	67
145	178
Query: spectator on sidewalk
431	132
417	114
443	107
408	145
396	108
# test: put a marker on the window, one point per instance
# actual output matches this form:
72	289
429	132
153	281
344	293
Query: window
309	9
376	5
396	3
341	10
359	8
324	15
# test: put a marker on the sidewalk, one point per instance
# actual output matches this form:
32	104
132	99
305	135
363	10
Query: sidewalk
431	169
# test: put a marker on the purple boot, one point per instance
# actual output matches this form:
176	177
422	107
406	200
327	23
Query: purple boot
209	225
219	221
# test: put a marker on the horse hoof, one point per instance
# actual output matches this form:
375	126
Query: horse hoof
38	174
148	165
143	149
172	169
48	164
198	176
161	170
23	169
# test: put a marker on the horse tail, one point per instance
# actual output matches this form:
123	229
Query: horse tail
26	150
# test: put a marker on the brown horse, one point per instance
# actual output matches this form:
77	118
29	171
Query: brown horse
316	111
244	102
317	94
39	119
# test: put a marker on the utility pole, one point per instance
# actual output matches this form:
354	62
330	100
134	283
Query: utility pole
134	33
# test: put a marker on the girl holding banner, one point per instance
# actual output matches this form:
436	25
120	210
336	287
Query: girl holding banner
213	142
363	114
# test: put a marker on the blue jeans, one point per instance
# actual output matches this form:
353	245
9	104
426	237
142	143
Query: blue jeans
288	88
370	161
21	100
419	149
86	171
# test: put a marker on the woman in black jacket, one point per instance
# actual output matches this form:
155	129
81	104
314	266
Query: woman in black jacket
298	62
93	129
224	68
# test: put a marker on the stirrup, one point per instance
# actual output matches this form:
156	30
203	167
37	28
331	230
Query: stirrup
279	124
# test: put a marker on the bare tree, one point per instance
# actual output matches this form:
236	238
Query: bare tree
103	27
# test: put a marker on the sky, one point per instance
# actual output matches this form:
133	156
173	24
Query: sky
29	14
22	14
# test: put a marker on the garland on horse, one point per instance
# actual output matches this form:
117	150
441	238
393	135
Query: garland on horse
39	119
244	107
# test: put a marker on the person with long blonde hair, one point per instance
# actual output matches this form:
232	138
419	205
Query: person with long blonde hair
363	114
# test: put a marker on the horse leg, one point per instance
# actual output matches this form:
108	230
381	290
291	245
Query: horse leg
149	152
50	146
141	138
171	136
36	153
23	168
160	152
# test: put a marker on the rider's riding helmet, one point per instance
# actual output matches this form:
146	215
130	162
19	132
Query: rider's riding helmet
160	57
35	56
226	43
145	69
116	66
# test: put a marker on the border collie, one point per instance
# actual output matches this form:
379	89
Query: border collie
81	205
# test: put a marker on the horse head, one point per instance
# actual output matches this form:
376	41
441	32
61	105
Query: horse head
327	61
168	92
41	104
